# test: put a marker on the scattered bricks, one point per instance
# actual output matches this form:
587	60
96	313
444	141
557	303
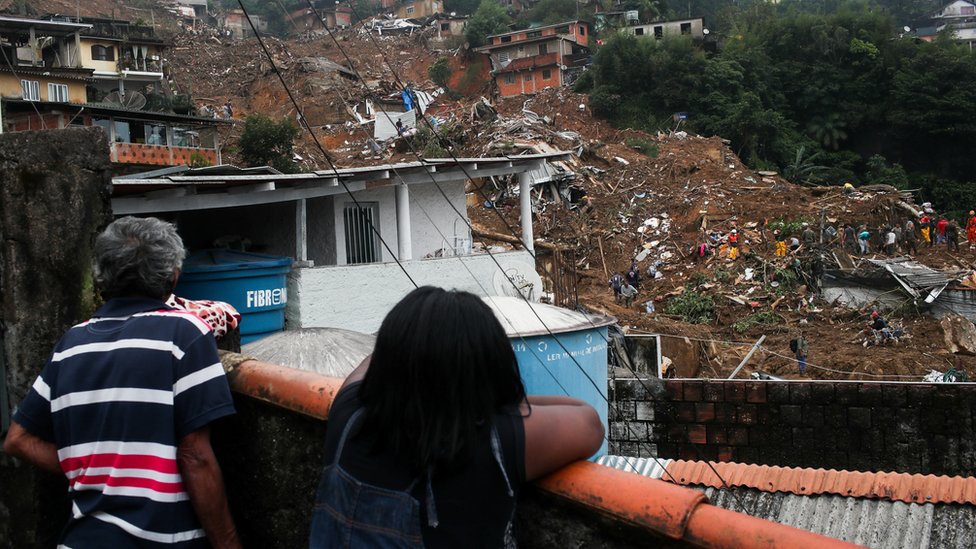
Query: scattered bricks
870	394
675	389
644	411
713	391
800	393
735	392
716	434
894	395
697	434
725	453
756	392
777	392
693	391
846	393
746	414
684	412
835	416
738	436
920	395
813	415
823	393
704	412
859	418
791	414
725	412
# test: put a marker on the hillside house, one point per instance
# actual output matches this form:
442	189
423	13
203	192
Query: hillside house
448	26
527	61
418	9
74	73
199	7
234	24
960	17
668	29
345	273
333	15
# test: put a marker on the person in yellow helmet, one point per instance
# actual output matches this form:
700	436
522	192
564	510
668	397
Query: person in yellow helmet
848	188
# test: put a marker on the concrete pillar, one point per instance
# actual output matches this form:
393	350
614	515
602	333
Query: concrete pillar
301	231
404	244
525	204
78	49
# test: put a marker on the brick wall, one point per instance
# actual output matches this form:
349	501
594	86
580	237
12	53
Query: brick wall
905	427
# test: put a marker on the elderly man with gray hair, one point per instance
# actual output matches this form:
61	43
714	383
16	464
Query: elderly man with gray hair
123	406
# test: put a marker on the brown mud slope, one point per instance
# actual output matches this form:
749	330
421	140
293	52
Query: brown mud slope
677	185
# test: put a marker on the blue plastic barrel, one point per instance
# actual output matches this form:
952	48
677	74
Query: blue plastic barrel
255	284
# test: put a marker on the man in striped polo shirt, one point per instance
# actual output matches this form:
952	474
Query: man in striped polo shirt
123	405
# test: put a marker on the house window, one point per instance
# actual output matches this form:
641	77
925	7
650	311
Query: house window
562	30
506	39
686	28
533	34
582	30
639	31
527	77
967	10
659	32
543	49
510	78
102	53
31	89
360	223
546	74
445	26
409	10
504	57
57	93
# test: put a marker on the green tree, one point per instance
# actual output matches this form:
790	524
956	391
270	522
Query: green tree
440	71
490	18
265	142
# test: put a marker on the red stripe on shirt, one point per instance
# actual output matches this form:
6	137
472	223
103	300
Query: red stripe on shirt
121	461
131	482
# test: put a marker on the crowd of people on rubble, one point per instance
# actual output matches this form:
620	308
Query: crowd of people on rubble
908	236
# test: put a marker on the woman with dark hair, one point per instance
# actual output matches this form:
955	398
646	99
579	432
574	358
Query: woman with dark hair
430	438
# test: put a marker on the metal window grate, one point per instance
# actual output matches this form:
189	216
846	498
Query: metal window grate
362	246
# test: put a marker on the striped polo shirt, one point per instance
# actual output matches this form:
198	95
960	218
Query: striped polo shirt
116	396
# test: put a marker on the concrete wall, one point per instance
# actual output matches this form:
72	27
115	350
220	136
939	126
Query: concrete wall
357	297
385	201
53	200
864	426
424	235
10	86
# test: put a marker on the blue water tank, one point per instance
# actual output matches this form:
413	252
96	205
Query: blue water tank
255	284
569	361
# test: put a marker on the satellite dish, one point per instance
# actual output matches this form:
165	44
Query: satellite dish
907	28
132	101
705	31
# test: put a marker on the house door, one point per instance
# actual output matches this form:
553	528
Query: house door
362	245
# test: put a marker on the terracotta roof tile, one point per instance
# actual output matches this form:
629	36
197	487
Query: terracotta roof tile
904	487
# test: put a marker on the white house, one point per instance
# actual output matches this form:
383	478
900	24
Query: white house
344	276
960	16
665	29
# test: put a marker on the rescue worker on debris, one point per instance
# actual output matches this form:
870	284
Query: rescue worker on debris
925	225
941	227
877	322
971	229
802	351
862	239
734	244
628	292
909	238
809	237
616	283
633	274
848	188
780	243
952	236
890	241
850	238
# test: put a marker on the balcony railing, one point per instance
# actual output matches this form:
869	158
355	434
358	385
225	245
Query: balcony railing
161	155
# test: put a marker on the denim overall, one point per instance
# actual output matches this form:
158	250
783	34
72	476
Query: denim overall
350	513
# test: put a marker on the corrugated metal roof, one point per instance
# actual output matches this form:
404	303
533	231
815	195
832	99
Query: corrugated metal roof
520	317
891	486
876	523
